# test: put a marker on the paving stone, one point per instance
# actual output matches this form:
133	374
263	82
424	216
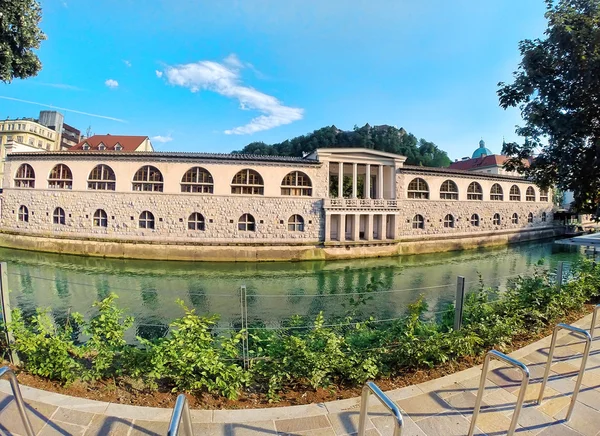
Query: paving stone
386	425
533	392
302	424
276	413
558	430
108	425
551	406
589	397
500	401
144	413
494	422
561	384
61	428
209	429
318	432
591	379
72	416
38	413
251	428
533	420
506	378
150	428
565	369
423	406
446	425
346	422
464	403
584	419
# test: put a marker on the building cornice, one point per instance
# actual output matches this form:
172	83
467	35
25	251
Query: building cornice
436	171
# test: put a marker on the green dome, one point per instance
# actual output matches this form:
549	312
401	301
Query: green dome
481	151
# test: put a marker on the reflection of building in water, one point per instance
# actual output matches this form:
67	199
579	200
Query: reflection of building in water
333	203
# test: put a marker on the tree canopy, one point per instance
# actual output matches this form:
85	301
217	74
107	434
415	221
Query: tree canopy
383	138
557	89
19	36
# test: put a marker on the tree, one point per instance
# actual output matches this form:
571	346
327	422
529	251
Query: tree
557	89
19	36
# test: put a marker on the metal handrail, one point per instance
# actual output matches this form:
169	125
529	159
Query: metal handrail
369	388
522	389
586	352
181	410
593	326
14	385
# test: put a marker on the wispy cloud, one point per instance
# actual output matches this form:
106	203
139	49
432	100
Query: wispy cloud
111	83
60	86
127	63
162	139
63	109
225	79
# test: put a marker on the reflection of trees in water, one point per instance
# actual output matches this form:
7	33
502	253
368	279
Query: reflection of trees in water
27	305
197	296
150	327
62	285
149	296
26	285
102	288
295	296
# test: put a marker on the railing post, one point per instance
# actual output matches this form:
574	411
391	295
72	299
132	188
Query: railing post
460	302
14	385
6	313
559	274
369	388
593	326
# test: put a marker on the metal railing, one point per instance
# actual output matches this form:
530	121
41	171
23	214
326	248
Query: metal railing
593	326
586	352
361	203
14	385
369	388
522	389
181	412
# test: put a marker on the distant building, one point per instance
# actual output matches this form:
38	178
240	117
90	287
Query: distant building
69	137
483	160
114	143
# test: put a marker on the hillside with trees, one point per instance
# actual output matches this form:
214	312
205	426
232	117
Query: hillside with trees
383	138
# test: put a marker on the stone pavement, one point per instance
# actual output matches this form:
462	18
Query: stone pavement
441	407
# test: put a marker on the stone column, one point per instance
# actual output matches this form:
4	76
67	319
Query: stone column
380	182
394	222
381	227
327	227
342	227
341	180
368	181
369	227
354	179
356	228
393	168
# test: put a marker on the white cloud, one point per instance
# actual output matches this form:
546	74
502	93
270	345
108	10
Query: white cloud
162	139
159	74
224	78
111	83
127	63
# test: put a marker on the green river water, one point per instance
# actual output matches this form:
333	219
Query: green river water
148	290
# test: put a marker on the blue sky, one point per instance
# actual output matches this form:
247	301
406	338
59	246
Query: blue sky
214	76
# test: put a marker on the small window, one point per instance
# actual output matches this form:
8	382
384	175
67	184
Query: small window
297	184
102	178
146	220
196	222
475	220
530	194
58	217
60	177
247	182
296	223
544	216
418	189
86	146
496	193
118	147
515	218
23	214
100	218
515	193
246	223
25	177
148	178
449	191
449	221
496	220
197	179
543	195
530	217
418	222
102	147
474	191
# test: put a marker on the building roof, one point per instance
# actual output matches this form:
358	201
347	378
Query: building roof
493	160
481	151
457	172
129	143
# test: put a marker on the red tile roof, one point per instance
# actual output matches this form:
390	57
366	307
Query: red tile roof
479	162
129	143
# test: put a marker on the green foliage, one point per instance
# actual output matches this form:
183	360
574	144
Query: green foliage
19	36
383	138
558	93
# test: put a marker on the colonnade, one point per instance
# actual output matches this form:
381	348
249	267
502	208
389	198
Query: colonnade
384	180
360	226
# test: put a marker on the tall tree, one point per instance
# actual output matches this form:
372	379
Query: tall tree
557	89
19	36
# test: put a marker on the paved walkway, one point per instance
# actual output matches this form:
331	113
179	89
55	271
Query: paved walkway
441	407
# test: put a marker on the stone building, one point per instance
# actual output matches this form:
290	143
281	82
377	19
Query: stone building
333	203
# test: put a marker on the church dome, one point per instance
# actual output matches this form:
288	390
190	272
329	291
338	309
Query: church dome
481	151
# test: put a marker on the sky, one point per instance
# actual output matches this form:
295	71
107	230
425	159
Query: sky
208	76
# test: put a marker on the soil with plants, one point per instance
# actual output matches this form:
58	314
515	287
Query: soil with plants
307	361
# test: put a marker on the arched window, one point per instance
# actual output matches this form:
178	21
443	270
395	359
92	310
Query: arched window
543	195
197	179
544	216
247	182
297	184
496	193
515	218
25	177
496	220
449	191
60	177
58	217
100	218
23	214
530	194
296	223
418	188
418	222
515	193
146	220
449	221
246	223
475	220
530	217
474	191
196	222
148	178
102	178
